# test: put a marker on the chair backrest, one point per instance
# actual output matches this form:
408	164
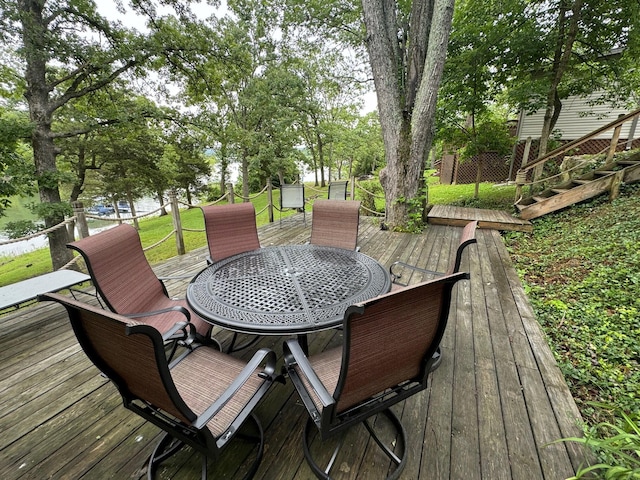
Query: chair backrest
389	342
120	271
335	223
338	190
467	237
292	196
130	354
230	229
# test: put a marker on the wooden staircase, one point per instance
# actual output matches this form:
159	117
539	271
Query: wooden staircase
601	180
619	168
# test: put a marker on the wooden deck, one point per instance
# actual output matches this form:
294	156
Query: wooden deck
494	219
493	407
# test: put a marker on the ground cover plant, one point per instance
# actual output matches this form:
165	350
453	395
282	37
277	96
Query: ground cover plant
581	271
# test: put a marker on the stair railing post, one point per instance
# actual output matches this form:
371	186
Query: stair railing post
614	142
632	133
177	222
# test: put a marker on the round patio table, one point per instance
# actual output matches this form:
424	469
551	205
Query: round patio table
294	289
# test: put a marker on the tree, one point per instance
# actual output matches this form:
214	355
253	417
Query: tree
562	48
68	51
407	47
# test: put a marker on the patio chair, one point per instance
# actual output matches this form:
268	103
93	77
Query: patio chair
386	356
338	190
467	237
335	223
230	229
292	196
126	283
200	399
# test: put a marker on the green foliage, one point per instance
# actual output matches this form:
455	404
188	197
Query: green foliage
54	210
617	447
416	217
213	192
580	270
371	195
16	172
22	228
488	132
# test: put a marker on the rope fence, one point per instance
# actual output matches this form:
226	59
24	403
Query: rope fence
40	233
80	218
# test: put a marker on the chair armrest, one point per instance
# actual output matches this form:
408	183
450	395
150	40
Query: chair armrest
395	276
295	356
264	355
188	337
152	313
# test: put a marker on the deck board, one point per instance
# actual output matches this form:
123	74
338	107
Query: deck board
494	404
492	219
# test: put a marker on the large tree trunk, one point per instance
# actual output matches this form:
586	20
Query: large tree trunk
406	86
44	149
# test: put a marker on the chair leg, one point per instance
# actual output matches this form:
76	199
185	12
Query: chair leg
437	360
260	440
399	459
233	348
166	447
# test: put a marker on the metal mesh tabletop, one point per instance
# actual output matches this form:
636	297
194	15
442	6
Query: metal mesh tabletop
285	290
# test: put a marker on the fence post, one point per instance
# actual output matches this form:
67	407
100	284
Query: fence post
270	200
177	223
81	219
232	194
352	190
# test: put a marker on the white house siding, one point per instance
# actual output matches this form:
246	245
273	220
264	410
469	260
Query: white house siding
577	119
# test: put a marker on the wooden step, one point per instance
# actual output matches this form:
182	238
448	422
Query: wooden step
539	199
628	163
560	190
581	181
565	198
603	172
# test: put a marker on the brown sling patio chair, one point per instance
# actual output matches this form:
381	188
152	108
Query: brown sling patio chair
386	356
200	399
467	237
335	223
126	283
230	229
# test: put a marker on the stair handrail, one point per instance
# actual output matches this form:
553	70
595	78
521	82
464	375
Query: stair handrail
574	143
521	175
